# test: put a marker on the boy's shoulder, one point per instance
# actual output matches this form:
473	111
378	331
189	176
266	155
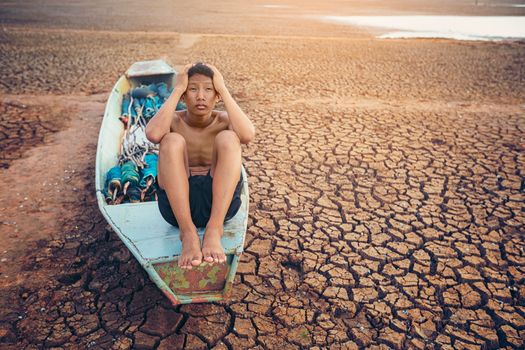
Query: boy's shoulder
222	116
177	115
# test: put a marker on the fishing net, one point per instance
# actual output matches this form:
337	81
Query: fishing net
134	178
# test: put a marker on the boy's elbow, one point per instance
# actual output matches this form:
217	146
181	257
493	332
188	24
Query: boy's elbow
152	136
248	137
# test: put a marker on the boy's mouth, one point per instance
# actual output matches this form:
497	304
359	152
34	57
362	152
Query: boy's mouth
201	107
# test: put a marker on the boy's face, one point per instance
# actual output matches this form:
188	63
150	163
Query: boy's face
200	96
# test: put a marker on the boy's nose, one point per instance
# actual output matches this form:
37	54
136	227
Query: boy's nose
200	94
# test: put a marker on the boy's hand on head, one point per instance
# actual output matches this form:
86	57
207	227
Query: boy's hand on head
218	79
181	84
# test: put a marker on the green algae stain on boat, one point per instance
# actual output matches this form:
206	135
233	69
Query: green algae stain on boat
200	279
173	276
212	277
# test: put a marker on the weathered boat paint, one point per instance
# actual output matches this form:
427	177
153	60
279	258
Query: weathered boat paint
153	242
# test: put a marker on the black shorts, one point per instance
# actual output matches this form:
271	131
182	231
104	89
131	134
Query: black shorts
200	201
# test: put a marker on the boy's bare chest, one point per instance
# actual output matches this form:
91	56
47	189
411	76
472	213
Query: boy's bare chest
199	141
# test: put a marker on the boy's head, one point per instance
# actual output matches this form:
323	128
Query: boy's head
200	68
200	95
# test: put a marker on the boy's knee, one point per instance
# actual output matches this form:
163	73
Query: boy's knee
172	142
227	139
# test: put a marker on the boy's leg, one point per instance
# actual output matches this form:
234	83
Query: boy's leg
226	172
173	173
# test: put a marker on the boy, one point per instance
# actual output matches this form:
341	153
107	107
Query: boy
200	159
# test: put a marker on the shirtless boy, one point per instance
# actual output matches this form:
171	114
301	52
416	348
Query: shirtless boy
200	159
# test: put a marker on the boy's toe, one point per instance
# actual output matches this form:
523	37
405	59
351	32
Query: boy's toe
185	263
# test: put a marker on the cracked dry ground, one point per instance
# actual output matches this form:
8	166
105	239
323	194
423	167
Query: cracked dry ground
387	210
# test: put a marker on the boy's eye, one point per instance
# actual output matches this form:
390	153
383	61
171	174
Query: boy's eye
209	89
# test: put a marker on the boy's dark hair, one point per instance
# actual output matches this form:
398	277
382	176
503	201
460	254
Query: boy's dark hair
200	68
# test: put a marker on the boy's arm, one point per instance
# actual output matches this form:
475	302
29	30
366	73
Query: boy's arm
160	124
239	122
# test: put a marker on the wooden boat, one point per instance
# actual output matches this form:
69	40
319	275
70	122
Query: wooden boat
152	241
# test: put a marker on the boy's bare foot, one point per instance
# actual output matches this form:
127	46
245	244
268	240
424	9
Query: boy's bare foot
212	249
191	250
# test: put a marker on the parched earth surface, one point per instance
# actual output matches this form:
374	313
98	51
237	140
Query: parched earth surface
387	196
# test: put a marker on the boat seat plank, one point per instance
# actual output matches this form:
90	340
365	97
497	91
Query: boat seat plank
149	68
153	238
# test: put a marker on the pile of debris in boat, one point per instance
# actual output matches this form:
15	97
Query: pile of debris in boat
133	179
